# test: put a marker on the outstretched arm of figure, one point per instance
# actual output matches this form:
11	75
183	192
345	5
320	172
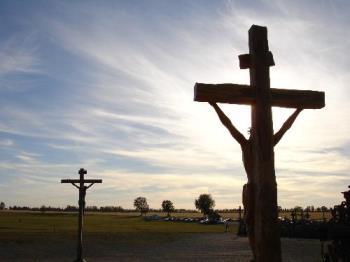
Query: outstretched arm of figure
228	124
289	122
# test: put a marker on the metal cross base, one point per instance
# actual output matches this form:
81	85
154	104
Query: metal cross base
82	192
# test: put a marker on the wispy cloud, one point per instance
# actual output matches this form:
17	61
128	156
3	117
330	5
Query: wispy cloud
115	90
18	56
6	142
19	59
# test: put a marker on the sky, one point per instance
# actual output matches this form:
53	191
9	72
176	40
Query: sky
108	86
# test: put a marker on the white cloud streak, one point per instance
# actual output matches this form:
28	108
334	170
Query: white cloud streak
135	101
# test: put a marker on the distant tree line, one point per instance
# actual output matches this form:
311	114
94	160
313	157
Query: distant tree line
205	204
306	209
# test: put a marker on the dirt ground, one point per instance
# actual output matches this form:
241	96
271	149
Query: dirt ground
187	247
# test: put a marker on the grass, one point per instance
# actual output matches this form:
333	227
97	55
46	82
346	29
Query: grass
40	236
15	224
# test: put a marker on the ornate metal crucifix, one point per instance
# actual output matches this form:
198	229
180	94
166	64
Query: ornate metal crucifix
260	193
80	184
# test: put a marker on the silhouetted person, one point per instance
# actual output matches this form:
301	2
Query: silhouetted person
248	196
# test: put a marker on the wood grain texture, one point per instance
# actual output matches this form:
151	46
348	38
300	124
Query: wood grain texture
78	181
264	234
246	95
267	237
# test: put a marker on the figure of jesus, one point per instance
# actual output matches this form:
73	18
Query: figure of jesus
248	196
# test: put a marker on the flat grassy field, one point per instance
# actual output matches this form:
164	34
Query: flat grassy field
21	226
42	235
18	223
14	224
35	236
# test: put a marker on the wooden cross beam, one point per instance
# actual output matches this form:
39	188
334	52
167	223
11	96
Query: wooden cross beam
77	181
245	95
258	151
82	193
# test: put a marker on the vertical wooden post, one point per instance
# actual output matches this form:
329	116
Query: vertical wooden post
242	227
239	213
267	238
82	192
264	236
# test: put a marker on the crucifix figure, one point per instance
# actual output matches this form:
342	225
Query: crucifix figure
82	192
260	192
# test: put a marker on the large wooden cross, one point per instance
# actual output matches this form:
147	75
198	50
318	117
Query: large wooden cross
80	184
261	98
